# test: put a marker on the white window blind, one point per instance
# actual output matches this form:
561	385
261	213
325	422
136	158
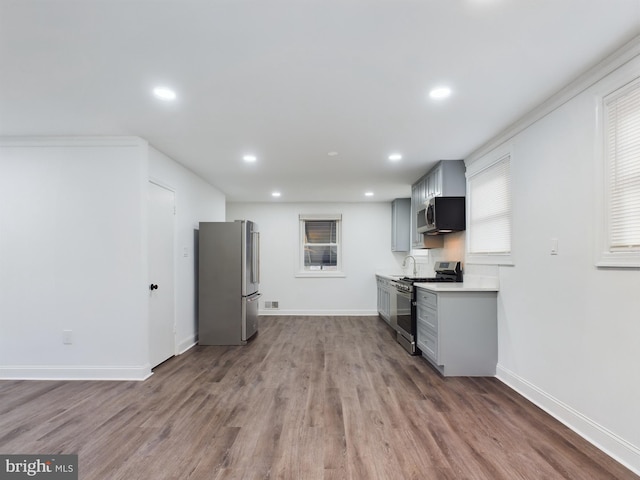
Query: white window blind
622	147
320	245
490	209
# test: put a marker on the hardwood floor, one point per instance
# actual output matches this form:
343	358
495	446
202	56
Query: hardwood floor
309	398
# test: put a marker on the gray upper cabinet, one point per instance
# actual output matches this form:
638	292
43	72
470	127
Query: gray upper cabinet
417	199
450	179
400	225
434	182
446	179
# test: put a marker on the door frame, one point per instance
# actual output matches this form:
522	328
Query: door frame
168	187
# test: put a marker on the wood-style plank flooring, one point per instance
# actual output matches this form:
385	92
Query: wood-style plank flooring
308	398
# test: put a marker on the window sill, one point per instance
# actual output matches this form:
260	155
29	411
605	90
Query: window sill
619	260
327	274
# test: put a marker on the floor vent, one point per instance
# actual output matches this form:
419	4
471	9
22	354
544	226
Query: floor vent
272	305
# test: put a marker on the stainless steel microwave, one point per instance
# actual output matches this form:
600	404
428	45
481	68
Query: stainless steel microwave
421	219
441	215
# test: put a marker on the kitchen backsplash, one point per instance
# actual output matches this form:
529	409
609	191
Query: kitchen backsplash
454	250
426	259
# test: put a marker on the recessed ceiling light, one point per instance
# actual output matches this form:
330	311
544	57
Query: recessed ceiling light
332	154
368	194
164	93
250	158
275	194
440	92
394	157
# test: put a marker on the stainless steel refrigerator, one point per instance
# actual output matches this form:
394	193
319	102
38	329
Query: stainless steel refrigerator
228	281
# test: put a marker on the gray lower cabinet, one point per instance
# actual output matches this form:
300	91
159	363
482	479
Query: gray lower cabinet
386	300
457	331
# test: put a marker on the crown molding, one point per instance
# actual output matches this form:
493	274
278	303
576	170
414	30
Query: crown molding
608	65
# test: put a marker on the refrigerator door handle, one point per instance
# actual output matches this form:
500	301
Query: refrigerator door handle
253	297
255	258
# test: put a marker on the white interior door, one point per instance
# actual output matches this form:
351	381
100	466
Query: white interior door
161	202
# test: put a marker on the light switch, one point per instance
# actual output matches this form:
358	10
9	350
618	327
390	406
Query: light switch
554	246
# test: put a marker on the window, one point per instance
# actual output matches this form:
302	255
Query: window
489	207
320	245
621	152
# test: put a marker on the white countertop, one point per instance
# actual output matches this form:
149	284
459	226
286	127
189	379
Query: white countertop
390	276
472	283
465	286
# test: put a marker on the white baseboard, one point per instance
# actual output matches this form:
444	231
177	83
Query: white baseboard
185	345
614	446
64	372
315	313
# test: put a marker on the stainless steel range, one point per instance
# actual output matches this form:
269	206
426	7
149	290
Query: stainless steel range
406	301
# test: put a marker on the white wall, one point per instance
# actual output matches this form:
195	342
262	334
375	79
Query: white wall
72	257
73	254
366	236
196	201
569	332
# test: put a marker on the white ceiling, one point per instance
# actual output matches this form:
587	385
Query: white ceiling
292	80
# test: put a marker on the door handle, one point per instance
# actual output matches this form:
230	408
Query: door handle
254	297
153	287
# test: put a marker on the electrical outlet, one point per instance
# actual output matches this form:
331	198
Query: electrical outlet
67	337
554	246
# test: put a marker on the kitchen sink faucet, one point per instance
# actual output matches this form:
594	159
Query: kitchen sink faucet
404	264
